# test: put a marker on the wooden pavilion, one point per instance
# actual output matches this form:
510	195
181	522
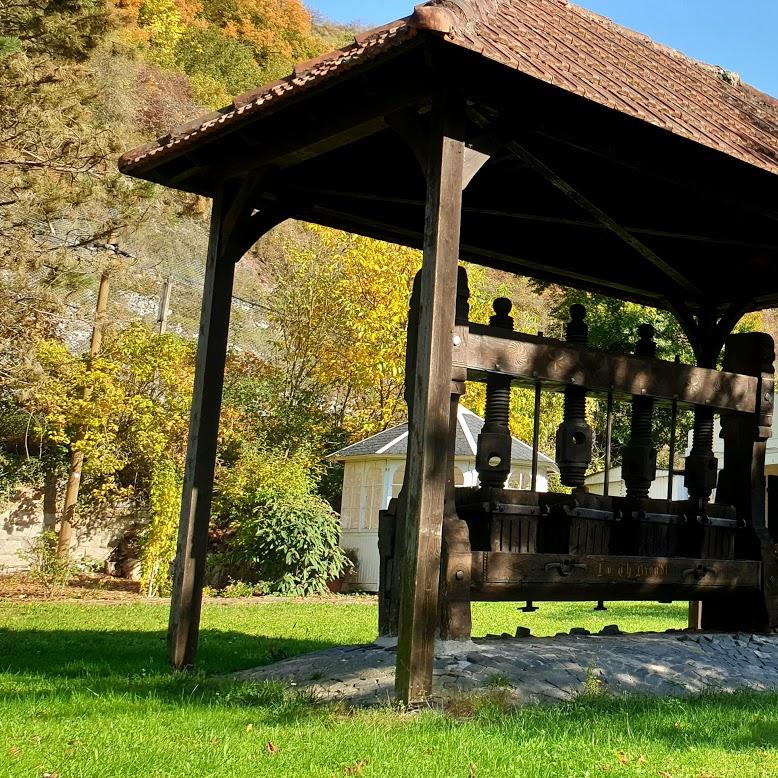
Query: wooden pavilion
538	138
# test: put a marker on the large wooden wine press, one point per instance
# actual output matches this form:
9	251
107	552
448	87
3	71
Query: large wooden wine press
537	138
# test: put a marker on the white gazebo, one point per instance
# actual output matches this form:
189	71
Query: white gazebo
617	487
373	474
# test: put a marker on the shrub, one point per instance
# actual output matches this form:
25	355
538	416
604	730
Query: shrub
88	565
279	530
46	568
293	544
239	589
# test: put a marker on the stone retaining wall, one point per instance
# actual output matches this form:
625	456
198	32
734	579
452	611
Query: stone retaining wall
27	512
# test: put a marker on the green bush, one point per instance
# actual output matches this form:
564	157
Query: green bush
237	589
292	544
280	531
46	567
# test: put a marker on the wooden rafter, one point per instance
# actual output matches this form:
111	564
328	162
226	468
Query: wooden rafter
583	202
670	234
376	228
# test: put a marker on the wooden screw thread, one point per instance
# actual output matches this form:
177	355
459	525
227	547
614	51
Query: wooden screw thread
701	464
574	436
575	404
640	457
702	437
494	442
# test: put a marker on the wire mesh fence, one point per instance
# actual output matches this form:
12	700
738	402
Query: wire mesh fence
165	295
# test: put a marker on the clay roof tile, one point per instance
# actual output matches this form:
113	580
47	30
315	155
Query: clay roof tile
559	43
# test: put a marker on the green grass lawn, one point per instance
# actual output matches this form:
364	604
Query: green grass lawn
84	691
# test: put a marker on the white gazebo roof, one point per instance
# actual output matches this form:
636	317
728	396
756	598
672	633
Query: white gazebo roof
394	442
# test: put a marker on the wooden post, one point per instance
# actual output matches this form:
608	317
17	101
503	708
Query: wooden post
186	600
164	305
429	426
695	616
456	558
391	527
65	536
742	483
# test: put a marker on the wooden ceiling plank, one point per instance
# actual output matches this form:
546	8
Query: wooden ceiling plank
603	218
541	218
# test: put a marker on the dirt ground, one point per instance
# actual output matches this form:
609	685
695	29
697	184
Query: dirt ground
18	586
102	588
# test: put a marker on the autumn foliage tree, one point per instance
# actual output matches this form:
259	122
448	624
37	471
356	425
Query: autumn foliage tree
59	188
224	46
337	306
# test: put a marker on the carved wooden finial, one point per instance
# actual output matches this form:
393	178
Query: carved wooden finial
646	345
577	330
502	307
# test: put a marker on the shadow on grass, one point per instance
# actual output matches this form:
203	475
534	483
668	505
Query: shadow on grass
129	667
135	661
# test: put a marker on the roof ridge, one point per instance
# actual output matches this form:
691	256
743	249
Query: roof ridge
452	16
394	441
369	437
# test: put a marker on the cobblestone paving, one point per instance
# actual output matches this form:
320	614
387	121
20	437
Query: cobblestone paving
545	669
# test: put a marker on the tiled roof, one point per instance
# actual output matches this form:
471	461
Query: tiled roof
566	46
589	55
394	442
306	75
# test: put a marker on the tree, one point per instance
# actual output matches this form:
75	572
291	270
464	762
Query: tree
164	27
272	526
126	410
337	306
225	46
59	190
63	29
219	66
280	31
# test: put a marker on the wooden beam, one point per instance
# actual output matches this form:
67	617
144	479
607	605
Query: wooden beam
472	161
375	227
426	487
498	575
654	162
186	599
480	350
725	183
321	130
603	218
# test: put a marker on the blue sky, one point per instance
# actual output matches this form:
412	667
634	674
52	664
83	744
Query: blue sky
740	35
